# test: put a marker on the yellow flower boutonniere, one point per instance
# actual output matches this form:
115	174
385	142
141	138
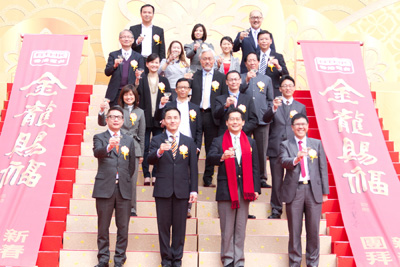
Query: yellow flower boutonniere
183	150
161	86
156	39
133	118
242	108
215	86
192	114
125	151
292	113
270	64
261	85
204	46
312	154
134	64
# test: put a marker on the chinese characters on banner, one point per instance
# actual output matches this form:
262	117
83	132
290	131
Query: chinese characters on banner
365	178
32	140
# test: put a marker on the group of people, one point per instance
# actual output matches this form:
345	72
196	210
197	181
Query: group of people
158	108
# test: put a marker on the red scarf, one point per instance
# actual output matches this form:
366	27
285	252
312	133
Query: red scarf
247	167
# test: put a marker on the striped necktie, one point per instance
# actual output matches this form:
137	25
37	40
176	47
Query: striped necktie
263	64
174	146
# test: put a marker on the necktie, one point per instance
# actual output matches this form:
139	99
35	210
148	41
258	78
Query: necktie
174	146
126	56
287	103
263	64
117	146
207	91
303	170
238	150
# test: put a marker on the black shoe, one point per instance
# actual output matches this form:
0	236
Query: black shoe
210	185
265	185
102	264
274	216
177	264
251	216
133	214
118	264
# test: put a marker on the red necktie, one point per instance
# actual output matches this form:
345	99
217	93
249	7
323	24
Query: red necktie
303	170
174	146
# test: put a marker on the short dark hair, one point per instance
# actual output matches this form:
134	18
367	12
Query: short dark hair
169	109
146	5
152	57
182	80
264	32
116	107
252	53
127	88
204	31
232	110
286	77
299	116
231	71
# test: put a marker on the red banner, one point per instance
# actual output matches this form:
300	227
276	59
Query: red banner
366	181
32	141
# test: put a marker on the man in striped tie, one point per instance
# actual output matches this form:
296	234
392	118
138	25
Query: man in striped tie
175	156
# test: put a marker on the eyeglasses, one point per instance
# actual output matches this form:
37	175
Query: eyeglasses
234	80
287	86
182	87
113	117
256	18
300	124
125	37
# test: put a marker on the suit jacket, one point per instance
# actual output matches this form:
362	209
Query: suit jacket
159	49
116	74
247	45
135	131
145	99
281	126
317	168
194	56
195	125
197	89
276	75
214	158
177	176
235	65
250	116
111	163
262	98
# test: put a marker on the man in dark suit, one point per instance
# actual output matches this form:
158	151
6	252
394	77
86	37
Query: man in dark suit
119	66
207	84
247	40
224	103
272	63
304	189
279	117
259	87
174	154
112	186
238	184
150	38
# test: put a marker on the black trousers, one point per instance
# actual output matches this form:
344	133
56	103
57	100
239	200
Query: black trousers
210	131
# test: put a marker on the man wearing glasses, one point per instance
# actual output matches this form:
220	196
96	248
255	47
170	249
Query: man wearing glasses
279	117
112	187
247	39
119	66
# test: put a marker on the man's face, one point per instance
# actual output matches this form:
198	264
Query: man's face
287	89
233	81
182	89
256	19
300	128
114	120
264	41
126	39
207	61
147	14
172	120
235	123
252	62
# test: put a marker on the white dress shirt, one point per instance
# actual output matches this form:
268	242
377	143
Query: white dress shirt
184	126
147	41
207	80
305	159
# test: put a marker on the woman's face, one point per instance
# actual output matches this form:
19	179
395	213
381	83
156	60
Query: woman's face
198	33
153	65
226	47
176	49
129	98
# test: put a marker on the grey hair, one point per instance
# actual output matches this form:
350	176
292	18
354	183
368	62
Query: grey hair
207	50
126	30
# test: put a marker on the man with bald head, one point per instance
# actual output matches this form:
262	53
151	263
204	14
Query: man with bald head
247	39
207	84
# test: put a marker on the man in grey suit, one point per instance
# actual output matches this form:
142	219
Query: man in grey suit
175	156
280	116
112	187
259	87
238	184
304	189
